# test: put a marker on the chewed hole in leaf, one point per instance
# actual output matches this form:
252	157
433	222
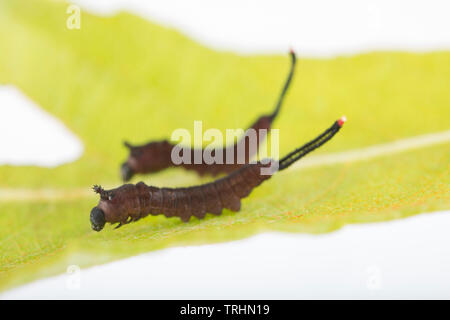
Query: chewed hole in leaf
32	136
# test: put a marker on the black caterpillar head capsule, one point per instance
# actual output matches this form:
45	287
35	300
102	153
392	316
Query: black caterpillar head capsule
97	219
148	158
126	172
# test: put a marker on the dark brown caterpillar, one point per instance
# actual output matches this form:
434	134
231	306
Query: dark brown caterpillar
129	202
156	156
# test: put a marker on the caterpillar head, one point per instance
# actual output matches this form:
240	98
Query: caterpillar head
114	206
97	216
148	158
126	170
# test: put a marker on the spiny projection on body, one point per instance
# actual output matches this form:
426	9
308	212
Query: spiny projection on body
156	155
129	203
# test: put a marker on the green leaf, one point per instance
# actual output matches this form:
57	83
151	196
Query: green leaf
124	78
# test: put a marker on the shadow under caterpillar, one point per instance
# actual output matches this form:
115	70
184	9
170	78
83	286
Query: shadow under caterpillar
129	203
156	156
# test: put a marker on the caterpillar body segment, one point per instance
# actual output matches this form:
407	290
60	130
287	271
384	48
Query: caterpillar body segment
129	202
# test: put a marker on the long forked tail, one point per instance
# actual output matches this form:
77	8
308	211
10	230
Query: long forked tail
286	86
312	145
